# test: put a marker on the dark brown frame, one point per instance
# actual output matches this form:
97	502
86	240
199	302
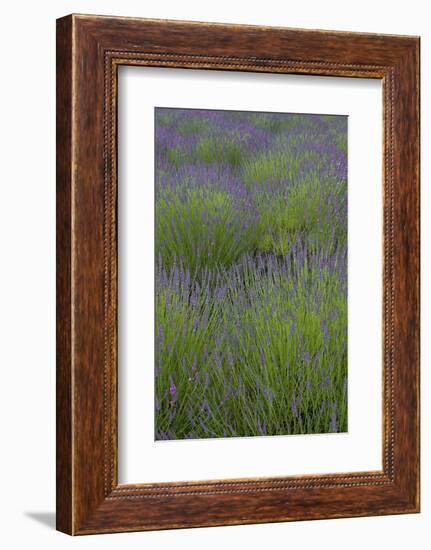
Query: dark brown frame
89	51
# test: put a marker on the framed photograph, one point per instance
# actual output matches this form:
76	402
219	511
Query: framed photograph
237	274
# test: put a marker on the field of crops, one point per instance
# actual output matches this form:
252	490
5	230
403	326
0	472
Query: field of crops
251	274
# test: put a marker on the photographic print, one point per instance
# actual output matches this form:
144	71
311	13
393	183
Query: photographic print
250	274
220	224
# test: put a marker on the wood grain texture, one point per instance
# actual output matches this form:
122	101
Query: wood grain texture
64	497
90	49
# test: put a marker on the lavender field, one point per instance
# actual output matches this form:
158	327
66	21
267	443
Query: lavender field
251	274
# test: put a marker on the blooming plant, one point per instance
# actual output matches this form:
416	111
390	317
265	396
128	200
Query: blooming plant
251	274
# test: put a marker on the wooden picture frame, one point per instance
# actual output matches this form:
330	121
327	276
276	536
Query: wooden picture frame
89	52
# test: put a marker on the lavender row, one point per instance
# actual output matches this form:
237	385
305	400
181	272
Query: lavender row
251	277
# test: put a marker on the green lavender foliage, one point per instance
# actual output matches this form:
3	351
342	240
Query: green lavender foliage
251	276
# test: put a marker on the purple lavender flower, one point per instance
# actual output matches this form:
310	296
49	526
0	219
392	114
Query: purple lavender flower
172	390
294	406
333	425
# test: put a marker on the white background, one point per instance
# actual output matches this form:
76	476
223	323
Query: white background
141	458
27	218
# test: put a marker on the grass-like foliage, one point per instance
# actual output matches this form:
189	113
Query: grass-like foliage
200	228
306	211
271	166
251	276
213	150
208	150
